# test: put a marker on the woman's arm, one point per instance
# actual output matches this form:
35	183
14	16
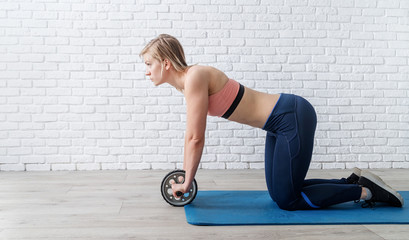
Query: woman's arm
196	95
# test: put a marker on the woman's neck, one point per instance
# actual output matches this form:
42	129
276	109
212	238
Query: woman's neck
177	79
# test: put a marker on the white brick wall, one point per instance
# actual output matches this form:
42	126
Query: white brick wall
73	94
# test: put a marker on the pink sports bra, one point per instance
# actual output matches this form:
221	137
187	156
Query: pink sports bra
224	102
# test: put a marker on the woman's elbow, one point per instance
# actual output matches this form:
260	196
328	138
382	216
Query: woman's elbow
196	140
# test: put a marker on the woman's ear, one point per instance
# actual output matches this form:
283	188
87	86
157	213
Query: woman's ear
167	64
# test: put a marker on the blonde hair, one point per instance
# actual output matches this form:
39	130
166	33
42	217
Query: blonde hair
166	47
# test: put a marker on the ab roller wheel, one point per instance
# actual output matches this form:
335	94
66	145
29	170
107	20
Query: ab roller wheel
178	177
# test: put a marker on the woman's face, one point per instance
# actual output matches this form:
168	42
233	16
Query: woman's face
153	69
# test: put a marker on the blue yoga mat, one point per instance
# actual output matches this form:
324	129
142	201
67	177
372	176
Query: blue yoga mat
257	208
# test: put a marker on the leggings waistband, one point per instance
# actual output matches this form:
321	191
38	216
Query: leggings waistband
285	104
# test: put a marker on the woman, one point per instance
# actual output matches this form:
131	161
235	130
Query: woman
289	120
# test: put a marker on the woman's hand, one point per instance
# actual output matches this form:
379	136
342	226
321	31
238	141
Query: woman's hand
179	188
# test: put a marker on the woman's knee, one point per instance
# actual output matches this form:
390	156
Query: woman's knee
283	201
286	202
286	205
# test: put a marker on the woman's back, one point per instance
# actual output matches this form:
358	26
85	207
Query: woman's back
254	107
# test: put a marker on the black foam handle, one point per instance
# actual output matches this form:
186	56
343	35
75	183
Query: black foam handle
178	193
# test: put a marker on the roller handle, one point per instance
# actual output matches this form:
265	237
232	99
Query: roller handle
179	194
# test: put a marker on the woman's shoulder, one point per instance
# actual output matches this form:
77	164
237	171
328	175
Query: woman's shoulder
196	77
199	73
200	69
205	73
212	78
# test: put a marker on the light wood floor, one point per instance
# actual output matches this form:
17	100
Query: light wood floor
128	205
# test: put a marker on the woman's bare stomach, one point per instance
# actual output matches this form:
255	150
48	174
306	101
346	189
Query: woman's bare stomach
254	108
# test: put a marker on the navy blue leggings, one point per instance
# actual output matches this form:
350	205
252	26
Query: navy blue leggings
289	144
